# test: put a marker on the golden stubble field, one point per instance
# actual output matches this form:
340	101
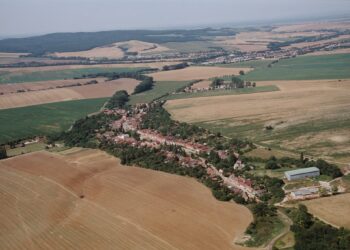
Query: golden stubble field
334	210
84	199
297	102
115	51
258	40
196	73
102	89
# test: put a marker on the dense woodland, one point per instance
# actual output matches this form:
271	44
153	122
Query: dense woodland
312	234
82	133
68	42
118	100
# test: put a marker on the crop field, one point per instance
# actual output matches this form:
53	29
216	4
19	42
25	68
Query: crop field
110	51
202	84
103	89
340	25
195	73
321	42
310	116
142	47
44	119
35	86
258	40
334	210
115	50
223	92
34	76
305	68
79	66
160	89
84	199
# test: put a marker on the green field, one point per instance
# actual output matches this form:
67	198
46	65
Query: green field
303	68
44	119
159	89
223	92
6	77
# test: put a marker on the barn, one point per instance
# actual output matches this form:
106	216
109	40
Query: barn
302	173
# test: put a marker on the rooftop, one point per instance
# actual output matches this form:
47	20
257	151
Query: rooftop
302	171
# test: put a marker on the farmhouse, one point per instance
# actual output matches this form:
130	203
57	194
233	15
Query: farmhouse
302	173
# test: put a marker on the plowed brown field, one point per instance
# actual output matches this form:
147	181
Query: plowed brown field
85	199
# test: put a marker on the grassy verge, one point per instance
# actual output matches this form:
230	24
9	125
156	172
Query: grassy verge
223	92
286	242
26	149
160	89
267	228
44	119
58	74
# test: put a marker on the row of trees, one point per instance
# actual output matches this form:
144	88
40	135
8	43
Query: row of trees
175	66
235	82
146	84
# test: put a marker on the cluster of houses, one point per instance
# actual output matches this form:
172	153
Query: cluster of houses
284	53
131	120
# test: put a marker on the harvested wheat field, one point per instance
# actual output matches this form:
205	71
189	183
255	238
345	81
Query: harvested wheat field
334	210
142	47
196	72
258	40
115	50
11	55
109	51
313	26
319	43
84	199
64	67
305	115
103	89
44	85
202	84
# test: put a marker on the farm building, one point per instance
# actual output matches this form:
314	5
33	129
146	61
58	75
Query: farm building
305	193
302	173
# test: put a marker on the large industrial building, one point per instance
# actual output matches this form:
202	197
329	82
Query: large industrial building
302	173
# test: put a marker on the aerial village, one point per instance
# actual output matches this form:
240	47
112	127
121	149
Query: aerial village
128	130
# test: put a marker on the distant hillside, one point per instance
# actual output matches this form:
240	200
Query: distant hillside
69	42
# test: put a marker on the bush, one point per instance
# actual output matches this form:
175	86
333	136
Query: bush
3	153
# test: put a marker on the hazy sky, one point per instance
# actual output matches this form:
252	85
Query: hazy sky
44	16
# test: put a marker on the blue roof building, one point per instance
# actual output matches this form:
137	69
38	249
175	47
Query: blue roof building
302	173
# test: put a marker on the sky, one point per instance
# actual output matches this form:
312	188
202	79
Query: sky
30	17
